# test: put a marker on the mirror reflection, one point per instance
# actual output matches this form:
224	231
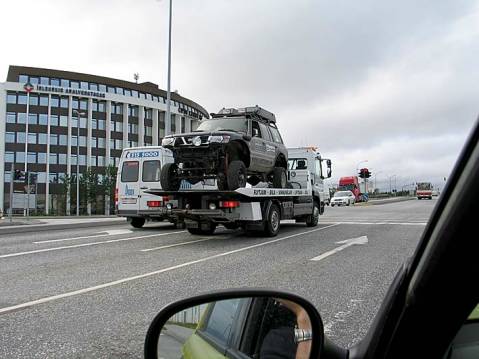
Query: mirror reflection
238	328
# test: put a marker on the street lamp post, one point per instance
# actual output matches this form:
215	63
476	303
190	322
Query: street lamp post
390	185
168	88
78	114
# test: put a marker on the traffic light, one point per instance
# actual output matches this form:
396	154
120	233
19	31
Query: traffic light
364	173
19	175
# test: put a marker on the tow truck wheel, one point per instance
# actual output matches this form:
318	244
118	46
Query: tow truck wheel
271	226
280	179
169	178
236	175
313	219
137	222
201	231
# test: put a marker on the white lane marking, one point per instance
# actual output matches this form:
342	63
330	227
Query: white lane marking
144	275
380	223
345	244
175	245
114	232
85	244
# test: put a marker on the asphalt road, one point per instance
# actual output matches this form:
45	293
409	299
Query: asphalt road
92	292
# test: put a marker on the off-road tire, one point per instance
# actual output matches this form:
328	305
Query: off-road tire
280	180
236	175
168	178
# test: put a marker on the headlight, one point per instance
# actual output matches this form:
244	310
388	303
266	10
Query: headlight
219	139
197	141
168	141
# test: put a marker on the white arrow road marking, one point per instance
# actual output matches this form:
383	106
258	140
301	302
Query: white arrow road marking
345	244
114	232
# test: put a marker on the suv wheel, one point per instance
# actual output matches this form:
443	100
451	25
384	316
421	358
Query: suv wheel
236	175
279	178
169	177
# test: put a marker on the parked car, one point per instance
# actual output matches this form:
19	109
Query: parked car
234	147
343	198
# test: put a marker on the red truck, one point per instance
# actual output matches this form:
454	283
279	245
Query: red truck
424	190
350	183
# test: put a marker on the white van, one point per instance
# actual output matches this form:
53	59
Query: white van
139	170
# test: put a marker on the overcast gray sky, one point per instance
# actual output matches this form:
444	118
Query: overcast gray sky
394	83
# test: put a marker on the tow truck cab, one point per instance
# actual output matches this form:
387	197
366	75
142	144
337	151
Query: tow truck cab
302	158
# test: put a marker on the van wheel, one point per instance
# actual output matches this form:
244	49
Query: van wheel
271	226
313	219
236	175
279	177
201	231
137	222
169	177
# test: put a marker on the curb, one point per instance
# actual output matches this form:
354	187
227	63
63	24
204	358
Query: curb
25	228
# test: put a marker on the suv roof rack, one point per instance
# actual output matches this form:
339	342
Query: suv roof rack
252	111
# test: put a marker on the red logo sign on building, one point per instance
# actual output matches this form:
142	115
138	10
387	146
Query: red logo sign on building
28	87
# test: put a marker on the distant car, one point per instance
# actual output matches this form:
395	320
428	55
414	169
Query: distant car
343	198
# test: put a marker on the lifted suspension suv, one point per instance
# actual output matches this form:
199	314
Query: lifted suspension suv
234	147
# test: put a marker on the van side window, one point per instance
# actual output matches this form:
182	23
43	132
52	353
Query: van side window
129	171
151	171
265	133
255	129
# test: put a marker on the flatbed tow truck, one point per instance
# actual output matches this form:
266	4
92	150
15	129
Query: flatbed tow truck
252	209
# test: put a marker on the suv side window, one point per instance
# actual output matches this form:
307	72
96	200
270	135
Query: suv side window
276	136
221	320
265	133
256	132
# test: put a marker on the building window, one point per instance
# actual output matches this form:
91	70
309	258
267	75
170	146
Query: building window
53	120
10	157
45	81
102	88
11	98
55	82
10	137
33	100
43	119
32	119
22	99
43	100
42	138
133	128
19	157
64	121
93	87
53	139
83	141
94	105
42	157
112	144
73	159
101	161
62	140
93	124
119	144
134	93
127	92
101	106
52	159
21	137
64	102
21	117
62	158
82	160
65	83
75	103
73	141
74	84
54	101
93	142
34	80
83	105
32	138
84	85
101	142
111	89
23	79
11	117
148	131
83	121
32	157
119	91
101	124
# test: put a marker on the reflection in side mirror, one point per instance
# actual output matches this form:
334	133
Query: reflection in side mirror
255	327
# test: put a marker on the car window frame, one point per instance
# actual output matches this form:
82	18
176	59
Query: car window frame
265	132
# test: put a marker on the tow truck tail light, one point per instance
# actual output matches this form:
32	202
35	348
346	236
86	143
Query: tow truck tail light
153	203
229	204
116	194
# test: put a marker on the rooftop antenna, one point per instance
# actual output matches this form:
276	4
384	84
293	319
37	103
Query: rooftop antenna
136	76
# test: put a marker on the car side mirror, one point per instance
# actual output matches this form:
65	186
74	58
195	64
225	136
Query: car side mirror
269	323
